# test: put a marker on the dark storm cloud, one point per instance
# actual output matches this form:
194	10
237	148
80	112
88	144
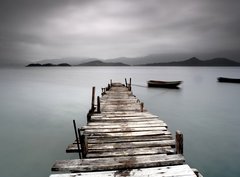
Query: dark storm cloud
32	29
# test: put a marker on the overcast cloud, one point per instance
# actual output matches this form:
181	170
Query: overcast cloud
32	30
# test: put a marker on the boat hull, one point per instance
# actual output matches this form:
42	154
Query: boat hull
164	84
229	80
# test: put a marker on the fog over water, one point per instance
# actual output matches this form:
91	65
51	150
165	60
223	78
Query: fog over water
37	106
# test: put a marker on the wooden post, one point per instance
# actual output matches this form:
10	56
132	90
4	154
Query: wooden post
126	82
141	106
89	115
84	145
130	84
98	105
93	98
77	139
179	142
111	82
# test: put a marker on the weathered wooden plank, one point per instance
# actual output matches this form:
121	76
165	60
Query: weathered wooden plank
132	152
125	108
118	97
124	114
124	129
123	145
127	134
99	140
125	104
120	113
168	171
125	162
125	123
115	125
125	120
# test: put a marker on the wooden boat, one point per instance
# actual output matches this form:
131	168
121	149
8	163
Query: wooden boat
230	80
164	84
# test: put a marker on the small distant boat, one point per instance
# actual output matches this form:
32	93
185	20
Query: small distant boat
230	80
164	84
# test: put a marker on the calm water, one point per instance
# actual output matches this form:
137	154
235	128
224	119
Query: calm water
37	106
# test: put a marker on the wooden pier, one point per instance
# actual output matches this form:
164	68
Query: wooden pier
122	138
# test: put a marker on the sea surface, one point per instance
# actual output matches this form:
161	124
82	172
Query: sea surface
37	106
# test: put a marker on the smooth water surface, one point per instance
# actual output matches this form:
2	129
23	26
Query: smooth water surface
37	106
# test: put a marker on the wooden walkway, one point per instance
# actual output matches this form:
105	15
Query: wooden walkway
122	139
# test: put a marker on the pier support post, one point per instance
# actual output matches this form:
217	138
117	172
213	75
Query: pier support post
84	145
126	82
102	91
93	98
179	142
89	114
141	106
98	105
130	84
77	139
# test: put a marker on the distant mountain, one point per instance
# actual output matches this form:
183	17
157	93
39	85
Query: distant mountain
197	62
149	60
153	58
47	65
101	63
69	60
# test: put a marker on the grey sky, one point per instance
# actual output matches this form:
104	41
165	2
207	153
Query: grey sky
41	29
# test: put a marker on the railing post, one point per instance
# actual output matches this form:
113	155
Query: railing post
141	106
130	84
77	139
84	145
89	114
126	82
179	142
98	105
102	91
93	98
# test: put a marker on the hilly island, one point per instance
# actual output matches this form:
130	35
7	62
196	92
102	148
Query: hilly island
189	62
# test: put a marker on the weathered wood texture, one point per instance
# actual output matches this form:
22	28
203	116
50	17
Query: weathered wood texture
169	171
122	135
119	163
